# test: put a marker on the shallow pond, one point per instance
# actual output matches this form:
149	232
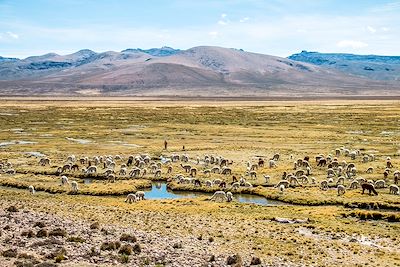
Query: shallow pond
159	190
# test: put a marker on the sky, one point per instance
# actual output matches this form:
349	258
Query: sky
274	27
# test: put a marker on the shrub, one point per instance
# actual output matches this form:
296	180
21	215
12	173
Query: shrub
128	238
95	226
126	250
76	239
42	233
12	209
58	232
39	224
28	234
10	253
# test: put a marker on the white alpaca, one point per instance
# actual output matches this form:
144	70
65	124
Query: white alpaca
394	189
131	198
281	188
341	190
140	195
380	184
74	187
31	189
64	180
229	196
219	195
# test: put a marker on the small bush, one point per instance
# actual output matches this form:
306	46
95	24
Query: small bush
39	224
58	232
12	209
95	226
126	250
255	261
128	238
137	248
177	245
28	234
124	258
76	239
110	245
234	259
42	233
10	253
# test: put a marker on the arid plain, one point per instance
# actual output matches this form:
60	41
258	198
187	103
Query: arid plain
309	226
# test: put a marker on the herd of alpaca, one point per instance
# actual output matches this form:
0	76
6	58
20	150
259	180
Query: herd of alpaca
198	172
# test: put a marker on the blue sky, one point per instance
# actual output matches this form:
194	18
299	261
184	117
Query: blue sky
275	27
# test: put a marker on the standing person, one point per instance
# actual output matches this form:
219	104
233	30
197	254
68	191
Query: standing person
165	144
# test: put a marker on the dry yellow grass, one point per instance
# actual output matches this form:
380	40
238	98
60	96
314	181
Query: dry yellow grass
236	130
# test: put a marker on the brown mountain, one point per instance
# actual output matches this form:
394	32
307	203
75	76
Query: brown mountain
199	71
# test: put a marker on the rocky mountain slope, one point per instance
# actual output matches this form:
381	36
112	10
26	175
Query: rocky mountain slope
199	71
369	66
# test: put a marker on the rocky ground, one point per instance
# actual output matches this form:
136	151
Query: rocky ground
40	239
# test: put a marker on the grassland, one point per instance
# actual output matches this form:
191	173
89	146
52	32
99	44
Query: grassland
240	131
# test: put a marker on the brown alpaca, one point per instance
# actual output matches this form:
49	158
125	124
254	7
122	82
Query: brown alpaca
369	187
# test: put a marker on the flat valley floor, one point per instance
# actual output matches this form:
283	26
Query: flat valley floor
95	227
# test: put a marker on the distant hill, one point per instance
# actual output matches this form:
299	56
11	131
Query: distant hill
199	71
369	66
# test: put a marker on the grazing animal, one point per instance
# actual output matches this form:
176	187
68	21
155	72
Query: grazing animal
281	188
229	196
324	185
321	162
389	164
380	184
267	178
354	184
31	189
140	195
91	169
111	178
284	183
10	171
235	186
272	163
341	190
394	189
64	180
276	157
74	187
197	182
260	162
44	161
131	198
169	169
219	195
226	171
369	187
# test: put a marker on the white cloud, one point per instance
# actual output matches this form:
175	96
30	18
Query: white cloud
242	20
351	44
371	29
223	20
385	29
13	35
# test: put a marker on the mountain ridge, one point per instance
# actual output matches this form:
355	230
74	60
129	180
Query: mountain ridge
369	66
202	70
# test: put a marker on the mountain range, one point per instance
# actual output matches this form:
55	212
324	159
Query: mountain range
199	71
